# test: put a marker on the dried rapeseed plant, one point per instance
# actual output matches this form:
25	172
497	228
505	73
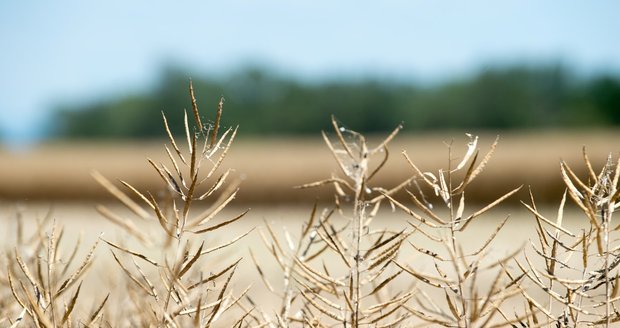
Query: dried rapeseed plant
338	270
178	288
44	282
451	295
580	271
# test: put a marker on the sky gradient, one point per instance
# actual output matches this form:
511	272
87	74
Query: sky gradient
64	51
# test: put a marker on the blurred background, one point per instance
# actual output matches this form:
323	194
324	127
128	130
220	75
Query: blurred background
83	85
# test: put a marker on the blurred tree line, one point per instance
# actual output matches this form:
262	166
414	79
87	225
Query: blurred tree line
264	103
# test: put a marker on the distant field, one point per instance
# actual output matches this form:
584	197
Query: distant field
269	168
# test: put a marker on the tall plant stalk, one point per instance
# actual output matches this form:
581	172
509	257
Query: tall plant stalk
192	176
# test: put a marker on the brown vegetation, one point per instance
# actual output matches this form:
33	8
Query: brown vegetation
344	267
270	167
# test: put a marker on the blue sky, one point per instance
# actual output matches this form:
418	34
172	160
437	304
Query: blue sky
59	51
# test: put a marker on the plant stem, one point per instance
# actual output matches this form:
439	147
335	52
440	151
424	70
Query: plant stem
606	215
359	210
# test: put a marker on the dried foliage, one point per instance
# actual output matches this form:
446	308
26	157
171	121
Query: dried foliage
42	283
579	274
450	294
349	291
343	268
371	286
178	286
168	276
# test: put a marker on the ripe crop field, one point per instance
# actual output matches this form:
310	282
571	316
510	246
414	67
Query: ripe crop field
382	231
271	167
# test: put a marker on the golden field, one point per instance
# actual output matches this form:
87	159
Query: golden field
270	168
54	181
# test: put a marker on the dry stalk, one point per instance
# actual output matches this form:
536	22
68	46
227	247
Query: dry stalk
172	288
43	279
354	291
457	268
580	273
